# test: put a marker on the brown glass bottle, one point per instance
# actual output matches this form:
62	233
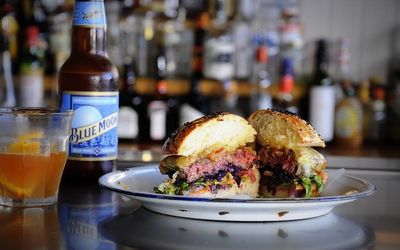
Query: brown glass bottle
88	83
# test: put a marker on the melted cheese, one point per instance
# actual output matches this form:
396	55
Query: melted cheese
310	161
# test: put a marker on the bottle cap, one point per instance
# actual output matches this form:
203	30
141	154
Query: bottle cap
287	84
262	54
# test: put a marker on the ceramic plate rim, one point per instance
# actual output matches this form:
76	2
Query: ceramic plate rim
107	180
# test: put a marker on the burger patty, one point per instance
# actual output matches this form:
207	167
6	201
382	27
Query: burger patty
242	158
278	166
282	159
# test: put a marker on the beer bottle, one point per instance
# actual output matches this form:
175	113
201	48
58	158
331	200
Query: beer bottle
88	84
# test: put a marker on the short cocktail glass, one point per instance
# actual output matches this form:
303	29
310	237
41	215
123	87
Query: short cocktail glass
33	153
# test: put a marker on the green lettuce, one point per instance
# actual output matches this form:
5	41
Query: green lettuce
308	182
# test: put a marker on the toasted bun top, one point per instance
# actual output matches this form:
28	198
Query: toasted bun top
283	129
208	133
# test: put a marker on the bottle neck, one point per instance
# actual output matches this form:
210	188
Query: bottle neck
89	28
321	62
88	40
321	67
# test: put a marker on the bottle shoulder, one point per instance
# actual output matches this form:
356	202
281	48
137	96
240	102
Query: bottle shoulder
322	78
88	63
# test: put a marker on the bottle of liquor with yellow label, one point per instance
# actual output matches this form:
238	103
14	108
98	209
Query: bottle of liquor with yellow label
88	84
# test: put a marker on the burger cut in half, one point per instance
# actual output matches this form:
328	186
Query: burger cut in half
211	157
289	167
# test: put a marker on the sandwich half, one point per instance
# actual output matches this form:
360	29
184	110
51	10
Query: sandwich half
212	157
289	166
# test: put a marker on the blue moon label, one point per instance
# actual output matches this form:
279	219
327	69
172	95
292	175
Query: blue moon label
94	132
89	14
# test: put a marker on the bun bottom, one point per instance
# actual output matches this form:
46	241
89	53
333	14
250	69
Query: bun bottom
249	186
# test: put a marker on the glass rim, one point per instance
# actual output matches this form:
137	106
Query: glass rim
34	111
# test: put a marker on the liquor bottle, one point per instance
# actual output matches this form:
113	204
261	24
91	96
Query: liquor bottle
291	37
59	36
261	79
113	10
39	18
194	8
349	119
218	45
88	84
7	28
322	95
157	108
375	114
146	48
129	103
266	37
195	98
241	33
284	100
32	69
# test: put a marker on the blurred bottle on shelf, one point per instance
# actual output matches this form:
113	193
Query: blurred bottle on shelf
260	95
31	69
176	40
375	114
11	28
59	37
8	45
322	95
242	39
218	45
284	99
237	88
218	57
221	11
39	17
178	44
132	99
218	64
59	47
266	36
394	110
130	31
129	105
113	10
349	118
194	8
195	98
194	105
146	46
342	71
157	108
291	37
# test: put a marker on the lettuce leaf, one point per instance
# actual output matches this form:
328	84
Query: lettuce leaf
308	182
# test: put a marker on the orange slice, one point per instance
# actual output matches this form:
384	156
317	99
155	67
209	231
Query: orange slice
25	145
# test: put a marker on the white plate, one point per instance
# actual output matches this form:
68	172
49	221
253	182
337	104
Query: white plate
138	183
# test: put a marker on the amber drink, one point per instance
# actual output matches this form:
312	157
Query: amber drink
33	152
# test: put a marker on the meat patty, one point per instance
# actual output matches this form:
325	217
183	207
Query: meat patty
278	166
220	160
280	158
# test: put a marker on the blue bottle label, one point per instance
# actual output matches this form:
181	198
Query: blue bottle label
94	133
89	14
